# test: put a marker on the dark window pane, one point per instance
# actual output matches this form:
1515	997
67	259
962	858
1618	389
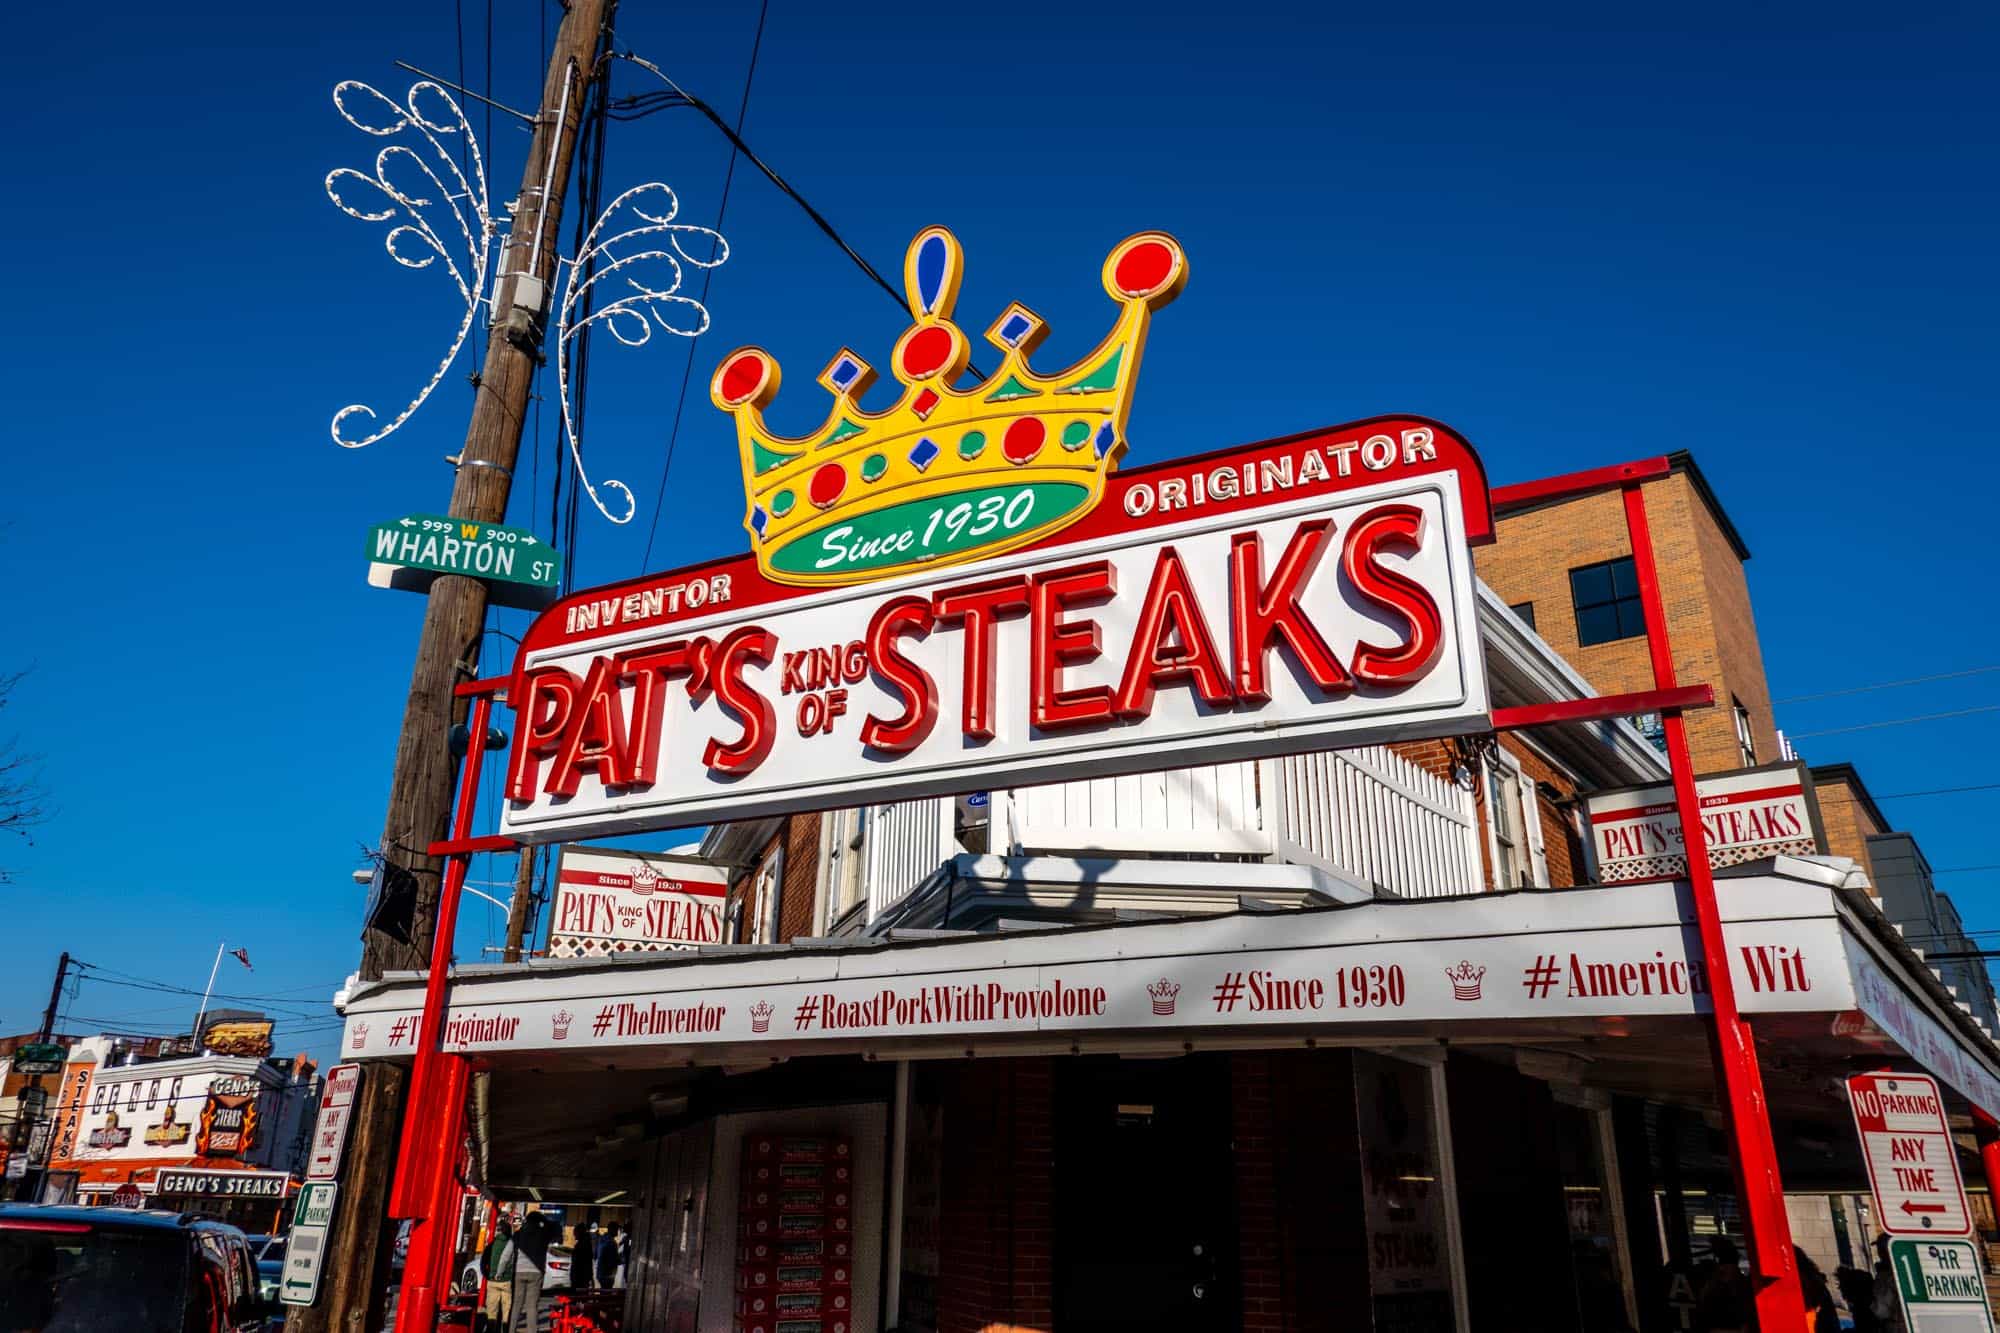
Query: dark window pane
1590	585
1526	611
1624	577
1598	624
1631	618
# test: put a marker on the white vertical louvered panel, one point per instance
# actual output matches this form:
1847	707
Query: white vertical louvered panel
1210	808
1373	814
904	842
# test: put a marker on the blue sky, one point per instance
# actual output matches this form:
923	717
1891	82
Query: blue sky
1764	236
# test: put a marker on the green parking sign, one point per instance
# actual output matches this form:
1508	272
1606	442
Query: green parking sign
1943	1285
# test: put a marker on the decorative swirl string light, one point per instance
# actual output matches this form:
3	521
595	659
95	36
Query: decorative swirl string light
632	317
424	236
420	238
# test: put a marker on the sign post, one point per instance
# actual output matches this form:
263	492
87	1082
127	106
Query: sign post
1912	1162
518	568
1943	1286
305	1251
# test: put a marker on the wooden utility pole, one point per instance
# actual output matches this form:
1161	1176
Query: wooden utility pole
351	1287
517	910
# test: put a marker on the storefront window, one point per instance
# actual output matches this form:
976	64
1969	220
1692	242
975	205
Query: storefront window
1404	1197
1596	1255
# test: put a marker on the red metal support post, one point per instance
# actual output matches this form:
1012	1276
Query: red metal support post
1745	1112
426	1178
1986	1133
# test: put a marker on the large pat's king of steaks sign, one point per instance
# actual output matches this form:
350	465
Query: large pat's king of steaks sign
965	590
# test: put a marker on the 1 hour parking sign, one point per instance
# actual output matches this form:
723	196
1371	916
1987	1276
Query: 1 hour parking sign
1912	1162
1943	1286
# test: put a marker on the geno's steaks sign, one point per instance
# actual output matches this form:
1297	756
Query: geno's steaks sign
1302	593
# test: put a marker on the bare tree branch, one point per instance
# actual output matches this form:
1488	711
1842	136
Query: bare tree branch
22	797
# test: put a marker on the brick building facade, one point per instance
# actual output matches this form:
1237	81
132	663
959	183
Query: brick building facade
1545	553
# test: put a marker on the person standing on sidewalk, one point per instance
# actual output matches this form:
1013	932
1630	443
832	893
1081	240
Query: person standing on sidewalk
531	1252
496	1265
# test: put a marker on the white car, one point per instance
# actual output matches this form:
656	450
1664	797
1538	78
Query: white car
555	1269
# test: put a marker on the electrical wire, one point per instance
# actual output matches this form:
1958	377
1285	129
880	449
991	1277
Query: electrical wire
707	275
645	106
1886	685
1939	791
1893	722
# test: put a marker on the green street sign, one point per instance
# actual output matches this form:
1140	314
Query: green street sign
39	1058
518	568
305	1251
1943	1286
315	1206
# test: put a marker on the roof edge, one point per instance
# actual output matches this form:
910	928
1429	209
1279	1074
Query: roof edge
1682	460
1844	772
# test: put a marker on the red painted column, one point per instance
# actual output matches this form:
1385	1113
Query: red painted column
1986	1130
1746	1115
433	1118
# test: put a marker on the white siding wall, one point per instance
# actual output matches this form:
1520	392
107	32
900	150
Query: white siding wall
1367	812
1208	809
1374	814
904	843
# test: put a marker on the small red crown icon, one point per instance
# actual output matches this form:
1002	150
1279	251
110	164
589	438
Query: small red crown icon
760	1017
1164	993
360	1037
644	878
1465	980
559	1022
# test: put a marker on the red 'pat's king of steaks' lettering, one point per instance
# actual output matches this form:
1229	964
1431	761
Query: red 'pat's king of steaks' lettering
965	591
1263	613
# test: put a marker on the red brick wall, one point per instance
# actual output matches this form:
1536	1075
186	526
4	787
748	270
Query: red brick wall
795	904
1302	1245
998	1208
1847	822
1260	1234
1702	584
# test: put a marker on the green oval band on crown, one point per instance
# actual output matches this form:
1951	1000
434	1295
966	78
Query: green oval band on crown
928	529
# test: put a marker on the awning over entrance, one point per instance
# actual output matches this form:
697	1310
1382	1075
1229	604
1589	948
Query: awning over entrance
1804	945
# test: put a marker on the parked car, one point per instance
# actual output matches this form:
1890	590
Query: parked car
269	1252
555	1269
86	1270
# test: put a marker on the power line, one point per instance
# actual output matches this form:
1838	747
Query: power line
1895	722
1965	870
645	104
1939	791
707	275
1886	685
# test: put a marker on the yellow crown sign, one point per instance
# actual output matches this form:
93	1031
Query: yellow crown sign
950	472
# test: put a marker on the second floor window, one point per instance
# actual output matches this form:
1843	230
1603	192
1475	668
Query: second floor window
1526	611
849	880
1746	739
1606	598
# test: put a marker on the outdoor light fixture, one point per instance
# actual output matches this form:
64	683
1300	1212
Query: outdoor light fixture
461	740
